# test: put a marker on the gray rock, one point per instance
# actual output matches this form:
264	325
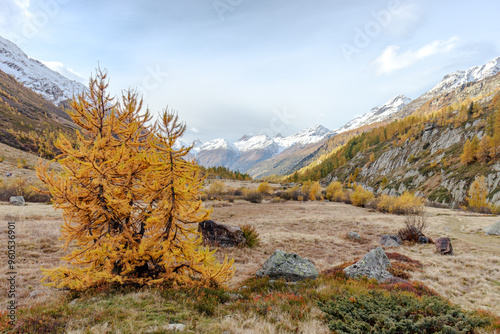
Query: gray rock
353	235
35	293
386	237
423	239
373	265
221	235
493	229
391	243
176	327
17	200
288	266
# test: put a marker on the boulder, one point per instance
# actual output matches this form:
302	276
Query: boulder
353	235
423	239
493	229
387	237
17	200
176	327
443	246
373	265
288	266
391	243
221	235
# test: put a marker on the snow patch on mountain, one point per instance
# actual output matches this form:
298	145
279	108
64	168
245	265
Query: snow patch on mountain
33	74
376	114
254	143
216	144
308	136
458	78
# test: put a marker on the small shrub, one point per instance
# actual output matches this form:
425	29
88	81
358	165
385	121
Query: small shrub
361	196
253	196
315	193
306	188
277	199
417	288
405	204
346	197
415	225
331	190
383	312
216	189
338	271
476	196
264	188
22	187
251	235
300	198
338	195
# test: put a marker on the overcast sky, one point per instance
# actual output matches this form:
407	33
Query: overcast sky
234	67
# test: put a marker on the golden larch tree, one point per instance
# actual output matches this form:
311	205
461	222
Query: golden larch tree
468	153
483	152
130	199
477	194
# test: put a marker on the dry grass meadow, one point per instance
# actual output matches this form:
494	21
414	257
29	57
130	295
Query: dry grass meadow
470	278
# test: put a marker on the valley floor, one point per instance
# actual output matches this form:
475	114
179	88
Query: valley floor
470	278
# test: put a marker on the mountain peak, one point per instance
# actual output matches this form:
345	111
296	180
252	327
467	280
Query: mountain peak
218	143
458	78
376	114
33	74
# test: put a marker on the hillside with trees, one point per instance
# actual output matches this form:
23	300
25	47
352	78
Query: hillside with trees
29	122
437	151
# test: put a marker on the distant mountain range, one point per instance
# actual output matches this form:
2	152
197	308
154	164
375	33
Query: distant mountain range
247	152
51	85
258	155
262	156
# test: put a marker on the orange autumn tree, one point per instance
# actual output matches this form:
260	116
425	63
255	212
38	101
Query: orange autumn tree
130	198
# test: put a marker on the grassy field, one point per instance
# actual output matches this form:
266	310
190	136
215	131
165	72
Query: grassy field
315	230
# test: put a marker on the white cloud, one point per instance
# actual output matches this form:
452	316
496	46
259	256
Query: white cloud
65	71
12	17
195	130
392	60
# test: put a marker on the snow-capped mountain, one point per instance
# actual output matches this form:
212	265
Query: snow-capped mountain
216	144
249	150
310	135
33	74
458	78
246	143
376	114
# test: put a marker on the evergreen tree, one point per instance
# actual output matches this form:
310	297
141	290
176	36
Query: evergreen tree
130	200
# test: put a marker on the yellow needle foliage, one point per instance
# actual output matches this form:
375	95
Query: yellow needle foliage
130	200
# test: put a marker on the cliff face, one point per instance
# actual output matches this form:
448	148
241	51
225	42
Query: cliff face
428	164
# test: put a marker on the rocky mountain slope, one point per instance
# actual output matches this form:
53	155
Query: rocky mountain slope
376	114
428	161
51	85
451	82
29	122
